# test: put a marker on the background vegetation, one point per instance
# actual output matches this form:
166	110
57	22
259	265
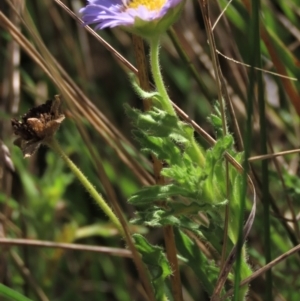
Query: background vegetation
44	51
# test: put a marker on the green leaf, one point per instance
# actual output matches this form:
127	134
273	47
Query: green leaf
196	260
156	192
163	149
157	262
159	123
214	234
11	294
181	216
187	174
216	121
156	217
159	217
214	187
216	153
140	92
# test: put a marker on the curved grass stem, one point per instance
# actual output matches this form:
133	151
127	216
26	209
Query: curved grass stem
194	150
157	76
53	144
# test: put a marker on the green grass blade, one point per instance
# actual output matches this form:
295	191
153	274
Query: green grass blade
11	294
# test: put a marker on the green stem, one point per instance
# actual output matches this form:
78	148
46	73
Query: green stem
157	76
87	184
196	153
194	150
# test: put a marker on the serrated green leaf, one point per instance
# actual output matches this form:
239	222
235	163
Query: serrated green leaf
157	217
194	207
216	121
196	260
159	123
222	145
214	187
157	263
178	215
140	92
163	149
156	192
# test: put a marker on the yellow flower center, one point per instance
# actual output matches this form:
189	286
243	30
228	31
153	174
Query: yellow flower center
150	4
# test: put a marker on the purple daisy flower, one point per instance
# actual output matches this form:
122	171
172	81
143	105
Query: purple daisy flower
130	13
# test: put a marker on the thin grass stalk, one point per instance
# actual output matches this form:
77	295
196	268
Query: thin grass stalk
171	250
28	277
285	189
247	144
231	49
181	52
65	246
72	92
157	76
112	196
184	57
53	144
289	87
264	269
111	131
218	76
69	94
264	147
232	255
63	81
121	224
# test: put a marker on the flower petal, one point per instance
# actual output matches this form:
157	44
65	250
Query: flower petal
112	13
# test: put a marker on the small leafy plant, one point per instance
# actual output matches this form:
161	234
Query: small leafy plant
197	195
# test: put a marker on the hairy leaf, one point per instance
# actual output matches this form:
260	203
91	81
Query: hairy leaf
157	262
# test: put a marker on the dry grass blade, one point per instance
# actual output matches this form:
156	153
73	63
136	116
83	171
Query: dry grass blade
102	41
65	246
259	69
274	155
72	93
77	98
222	92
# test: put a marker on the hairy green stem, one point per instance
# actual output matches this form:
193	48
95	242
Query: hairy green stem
53	144
194	150
157	76
196	153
